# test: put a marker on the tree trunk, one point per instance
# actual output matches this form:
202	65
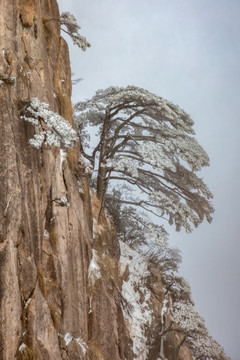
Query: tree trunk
102	171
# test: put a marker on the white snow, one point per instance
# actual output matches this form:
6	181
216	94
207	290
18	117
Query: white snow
64	201
80	189
22	347
137	296
90	305
68	338
82	344
27	303
94	271
59	130
72	26
46	233
164	309
62	157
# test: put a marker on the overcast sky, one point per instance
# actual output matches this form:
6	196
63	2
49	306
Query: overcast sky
188	52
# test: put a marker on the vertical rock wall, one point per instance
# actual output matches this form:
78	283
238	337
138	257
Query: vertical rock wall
45	248
60	288
41	277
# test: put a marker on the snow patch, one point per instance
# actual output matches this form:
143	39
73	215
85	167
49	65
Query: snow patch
46	233
94	271
90	305
164	309
82	344
22	347
80	188
27	303
64	201
68	338
62	157
137	296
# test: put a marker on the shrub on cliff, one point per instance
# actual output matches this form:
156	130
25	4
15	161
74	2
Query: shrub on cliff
72	29
53	129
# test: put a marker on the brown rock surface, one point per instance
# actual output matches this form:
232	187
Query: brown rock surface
50	308
45	249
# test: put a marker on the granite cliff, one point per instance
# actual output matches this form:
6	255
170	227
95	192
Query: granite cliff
63	276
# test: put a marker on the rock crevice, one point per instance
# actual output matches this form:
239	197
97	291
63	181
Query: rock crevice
60	285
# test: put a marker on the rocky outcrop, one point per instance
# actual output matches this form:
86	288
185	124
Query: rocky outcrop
60	285
45	247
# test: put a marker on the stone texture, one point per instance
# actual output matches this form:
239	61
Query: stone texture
46	274
44	284
27	11
46	249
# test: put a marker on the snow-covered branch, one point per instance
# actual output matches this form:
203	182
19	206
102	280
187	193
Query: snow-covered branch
148	141
72	29
53	129
205	347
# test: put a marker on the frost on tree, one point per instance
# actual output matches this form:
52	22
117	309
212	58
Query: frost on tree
176	287
205	347
72	29
134	227
53	129
178	315
147	142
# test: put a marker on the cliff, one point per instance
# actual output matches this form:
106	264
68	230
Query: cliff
65	284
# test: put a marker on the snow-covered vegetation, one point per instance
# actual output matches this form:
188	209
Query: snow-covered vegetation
177	314
147	146
145	245
72	29
53	129
147	142
6	79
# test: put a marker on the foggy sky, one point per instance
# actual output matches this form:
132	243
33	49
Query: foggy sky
188	52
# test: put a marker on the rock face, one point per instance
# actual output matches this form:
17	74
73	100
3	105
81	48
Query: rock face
60	286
